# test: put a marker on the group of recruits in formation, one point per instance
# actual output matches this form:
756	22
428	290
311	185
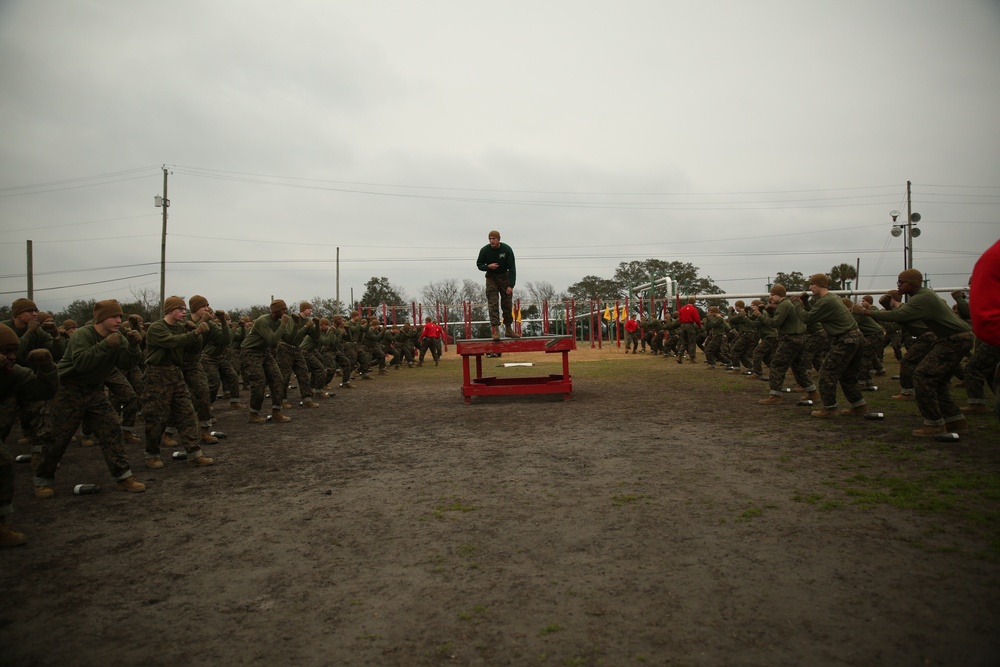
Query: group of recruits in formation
844	342
56	379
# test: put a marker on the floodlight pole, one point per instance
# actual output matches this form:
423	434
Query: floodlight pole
908	264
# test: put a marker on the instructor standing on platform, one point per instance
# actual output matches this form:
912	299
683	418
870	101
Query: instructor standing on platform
497	260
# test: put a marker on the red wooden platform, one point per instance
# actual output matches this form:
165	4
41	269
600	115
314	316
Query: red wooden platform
494	386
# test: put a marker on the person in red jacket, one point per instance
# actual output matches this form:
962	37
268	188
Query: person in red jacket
690	325
631	335
430	338
984	308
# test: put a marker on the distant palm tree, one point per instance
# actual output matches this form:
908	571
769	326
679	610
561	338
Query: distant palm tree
840	274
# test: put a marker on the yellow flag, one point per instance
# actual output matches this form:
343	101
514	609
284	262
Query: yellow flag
623	315
518	314
607	312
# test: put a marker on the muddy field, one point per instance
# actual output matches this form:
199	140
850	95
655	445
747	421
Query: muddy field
660	517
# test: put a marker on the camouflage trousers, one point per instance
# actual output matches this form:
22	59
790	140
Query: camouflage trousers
317	369
358	357
915	353
197	382
787	355
896	342
817	345
376	353
498	302
123	397
290	360
869	364
432	344
63	414
716	349
135	380
406	350
656	342
932	377
763	353
980	370
220	373
8	414
631	340
842	364
262	372
167	400
688	340
333	359
741	351
671	342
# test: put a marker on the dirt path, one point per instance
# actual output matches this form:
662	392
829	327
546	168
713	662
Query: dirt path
661	517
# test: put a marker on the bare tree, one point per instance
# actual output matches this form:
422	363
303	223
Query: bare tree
473	291
147	301
445	291
541	292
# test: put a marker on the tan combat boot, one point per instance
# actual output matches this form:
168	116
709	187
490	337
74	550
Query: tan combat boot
856	410
929	431
129	485
824	413
207	438
975	409
509	331
496	333
200	461
773	399
130	438
277	416
812	396
257	418
10	537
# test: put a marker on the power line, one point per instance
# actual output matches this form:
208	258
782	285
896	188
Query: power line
96	282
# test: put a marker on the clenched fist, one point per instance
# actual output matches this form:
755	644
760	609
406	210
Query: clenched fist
40	358
202	328
134	336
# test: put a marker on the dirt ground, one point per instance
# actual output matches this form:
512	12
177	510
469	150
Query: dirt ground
660	517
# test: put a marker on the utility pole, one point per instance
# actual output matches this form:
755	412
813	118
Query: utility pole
31	272
337	283
165	204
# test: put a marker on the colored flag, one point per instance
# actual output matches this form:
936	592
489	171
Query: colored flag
607	313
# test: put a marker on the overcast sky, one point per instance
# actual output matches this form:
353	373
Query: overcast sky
743	137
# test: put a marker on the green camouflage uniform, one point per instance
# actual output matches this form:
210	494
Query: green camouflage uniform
788	353
25	385
934	372
83	370
259	366
842	363
167	398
